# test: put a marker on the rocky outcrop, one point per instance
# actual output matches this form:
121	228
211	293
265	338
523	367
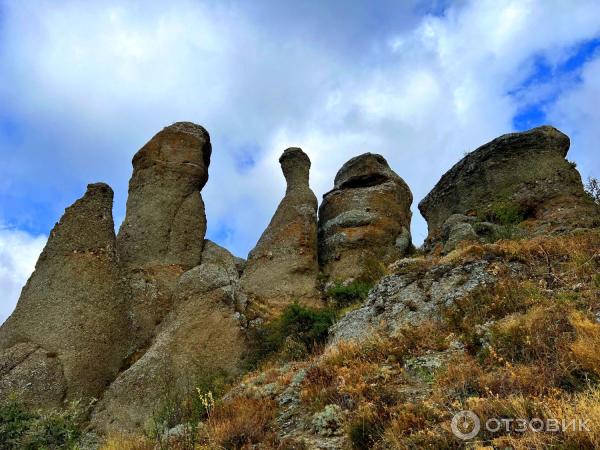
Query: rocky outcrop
70	331
413	294
283	266
512	178
364	222
163	231
201	337
165	221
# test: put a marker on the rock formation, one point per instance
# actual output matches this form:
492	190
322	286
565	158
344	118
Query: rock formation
200	337
364	222
164	228
140	319
514	177
283	266
165	221
70	330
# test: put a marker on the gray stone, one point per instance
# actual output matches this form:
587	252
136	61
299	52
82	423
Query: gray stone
73	309
517	175
364	222
410	298
458	233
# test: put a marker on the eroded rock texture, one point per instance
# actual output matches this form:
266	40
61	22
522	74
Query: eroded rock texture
163	231
283	266
70	329
201	337
415	294
364	222
165	221
515	177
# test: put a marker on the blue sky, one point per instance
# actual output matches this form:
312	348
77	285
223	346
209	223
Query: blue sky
84	84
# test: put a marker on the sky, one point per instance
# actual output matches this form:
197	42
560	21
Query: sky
84	84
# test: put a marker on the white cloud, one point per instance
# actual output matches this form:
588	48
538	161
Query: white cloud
577	113
94	80
19	252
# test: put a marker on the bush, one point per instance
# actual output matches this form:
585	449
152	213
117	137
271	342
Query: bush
345	295
505	213
307	326
21	428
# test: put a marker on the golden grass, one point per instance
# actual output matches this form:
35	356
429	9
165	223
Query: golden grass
240	423
124	442
537	357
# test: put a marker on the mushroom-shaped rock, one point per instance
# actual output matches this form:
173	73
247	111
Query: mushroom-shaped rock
283	266
364	222
70	325
514	177
165	221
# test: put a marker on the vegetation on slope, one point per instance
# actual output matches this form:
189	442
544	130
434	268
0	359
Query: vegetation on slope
525	348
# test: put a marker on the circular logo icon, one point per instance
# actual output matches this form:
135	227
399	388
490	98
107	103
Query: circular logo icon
465	425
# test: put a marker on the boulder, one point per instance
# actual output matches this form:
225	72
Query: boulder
202	337
70	326
283	266
364	222
165	221
515	177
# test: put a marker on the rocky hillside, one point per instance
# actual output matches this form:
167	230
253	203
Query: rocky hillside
335	333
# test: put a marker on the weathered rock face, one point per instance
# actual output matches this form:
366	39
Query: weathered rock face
70	330
163	231
34	374
165	221
413	295
283	266
200	337
516	176
365	220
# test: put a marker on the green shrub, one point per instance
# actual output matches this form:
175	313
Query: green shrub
345	295
505	213
182	402
22	428
307	326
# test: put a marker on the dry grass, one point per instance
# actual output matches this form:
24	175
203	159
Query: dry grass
240	423
531	350
123	442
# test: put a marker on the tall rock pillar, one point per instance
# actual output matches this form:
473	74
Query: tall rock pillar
162	235
165	221
283	266
69	332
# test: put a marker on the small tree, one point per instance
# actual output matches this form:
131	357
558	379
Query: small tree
592	188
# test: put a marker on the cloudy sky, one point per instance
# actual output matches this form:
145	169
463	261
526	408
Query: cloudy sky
84	84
